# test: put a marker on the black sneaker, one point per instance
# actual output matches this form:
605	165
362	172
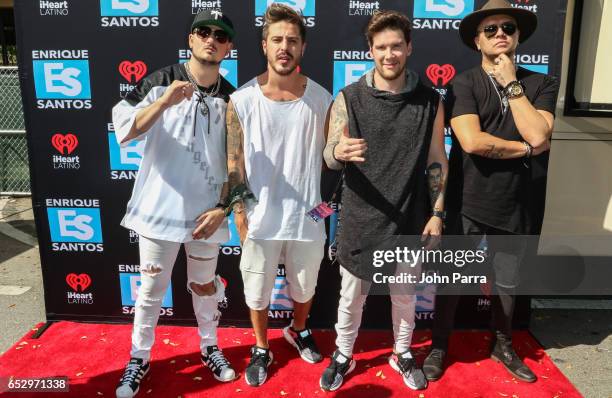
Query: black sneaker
216	362
129	384
433	366
305	344
333	377
406	365
257	370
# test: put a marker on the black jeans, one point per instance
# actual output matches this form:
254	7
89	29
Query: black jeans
505	254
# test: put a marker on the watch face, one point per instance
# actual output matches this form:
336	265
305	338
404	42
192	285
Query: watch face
516	90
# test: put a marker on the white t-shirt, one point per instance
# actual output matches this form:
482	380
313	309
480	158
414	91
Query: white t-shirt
283	151
183	168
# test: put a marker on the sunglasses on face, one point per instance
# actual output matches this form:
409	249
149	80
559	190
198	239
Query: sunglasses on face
508	28
219	35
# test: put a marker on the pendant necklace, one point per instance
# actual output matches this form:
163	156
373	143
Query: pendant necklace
204	110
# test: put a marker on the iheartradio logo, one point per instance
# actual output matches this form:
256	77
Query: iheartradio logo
436	72
133	72
81	281
65	144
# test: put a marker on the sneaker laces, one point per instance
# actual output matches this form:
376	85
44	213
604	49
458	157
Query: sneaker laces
336	365
406	365
131	372
218	359
258	359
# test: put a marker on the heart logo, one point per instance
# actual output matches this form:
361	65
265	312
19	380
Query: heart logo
75	281
436	72
68	142
133	72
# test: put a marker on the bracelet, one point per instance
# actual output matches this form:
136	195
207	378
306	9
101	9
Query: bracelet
334	153
528	149
439	213
239	194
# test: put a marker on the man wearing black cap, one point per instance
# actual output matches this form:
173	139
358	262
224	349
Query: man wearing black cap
180	192
502	115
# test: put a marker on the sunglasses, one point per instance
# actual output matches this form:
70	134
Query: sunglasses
508	28
219	35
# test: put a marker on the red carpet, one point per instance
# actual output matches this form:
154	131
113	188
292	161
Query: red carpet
93	356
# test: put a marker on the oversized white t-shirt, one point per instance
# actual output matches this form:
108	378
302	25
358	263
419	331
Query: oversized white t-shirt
283	151
184	164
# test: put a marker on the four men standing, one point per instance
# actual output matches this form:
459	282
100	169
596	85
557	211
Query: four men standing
386	132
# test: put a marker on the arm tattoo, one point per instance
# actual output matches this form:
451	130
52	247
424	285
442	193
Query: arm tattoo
491	153
224	197
338	121
235	149
436	181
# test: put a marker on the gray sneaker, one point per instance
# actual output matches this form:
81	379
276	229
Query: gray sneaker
304	343
257	370
333	376
406	365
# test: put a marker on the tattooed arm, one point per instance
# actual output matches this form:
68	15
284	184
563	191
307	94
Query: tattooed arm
437	171
235	166
474	141
340	148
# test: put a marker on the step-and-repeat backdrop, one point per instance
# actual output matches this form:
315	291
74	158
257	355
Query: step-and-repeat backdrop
77	58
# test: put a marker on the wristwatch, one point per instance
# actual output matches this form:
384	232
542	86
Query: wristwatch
439	213
514	89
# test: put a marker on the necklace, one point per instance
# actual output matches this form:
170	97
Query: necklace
503	101
204	110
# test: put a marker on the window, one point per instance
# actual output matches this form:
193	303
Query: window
589	85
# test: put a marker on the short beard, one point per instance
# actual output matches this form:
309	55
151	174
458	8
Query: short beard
285	72
385	76
203	61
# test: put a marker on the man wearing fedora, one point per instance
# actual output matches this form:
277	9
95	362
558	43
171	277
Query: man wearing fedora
502	115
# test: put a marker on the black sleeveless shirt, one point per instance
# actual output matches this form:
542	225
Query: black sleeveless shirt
386	195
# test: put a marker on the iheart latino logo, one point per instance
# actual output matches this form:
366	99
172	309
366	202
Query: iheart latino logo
68	142
436	72
133	72
75	281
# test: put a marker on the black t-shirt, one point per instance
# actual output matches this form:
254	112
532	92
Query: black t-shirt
495	192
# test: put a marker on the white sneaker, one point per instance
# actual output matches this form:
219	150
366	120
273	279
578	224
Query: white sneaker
219	366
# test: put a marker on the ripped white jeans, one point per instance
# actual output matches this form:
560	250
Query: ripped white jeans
157	259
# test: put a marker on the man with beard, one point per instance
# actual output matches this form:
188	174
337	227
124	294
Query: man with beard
276	136
387	132
502	116
177	113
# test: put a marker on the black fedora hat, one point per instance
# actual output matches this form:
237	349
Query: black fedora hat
526	20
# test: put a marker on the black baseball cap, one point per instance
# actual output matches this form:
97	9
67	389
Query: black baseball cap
216	18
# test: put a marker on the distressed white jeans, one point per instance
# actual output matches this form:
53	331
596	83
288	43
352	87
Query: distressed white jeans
157	259
353	294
